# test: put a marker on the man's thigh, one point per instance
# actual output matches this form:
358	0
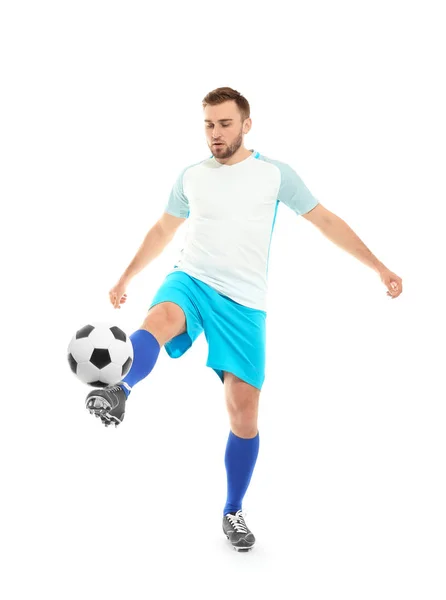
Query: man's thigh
240	396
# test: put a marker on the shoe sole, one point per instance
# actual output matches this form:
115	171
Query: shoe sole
240	548
100	407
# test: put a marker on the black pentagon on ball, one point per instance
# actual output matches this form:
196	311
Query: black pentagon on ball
100	357
100	384
118	333
84	332
72	362
126	365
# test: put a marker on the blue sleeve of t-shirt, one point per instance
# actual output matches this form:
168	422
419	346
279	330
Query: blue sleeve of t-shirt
178	204
293	192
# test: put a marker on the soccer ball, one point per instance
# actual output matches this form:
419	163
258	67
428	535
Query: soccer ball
100	354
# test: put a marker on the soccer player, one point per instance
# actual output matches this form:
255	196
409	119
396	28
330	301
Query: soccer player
219	284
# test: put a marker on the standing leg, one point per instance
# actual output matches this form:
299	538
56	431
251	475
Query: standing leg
242	401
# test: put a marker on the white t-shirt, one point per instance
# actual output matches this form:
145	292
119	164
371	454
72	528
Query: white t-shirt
231	211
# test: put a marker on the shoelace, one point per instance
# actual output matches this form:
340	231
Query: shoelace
115	388
238	522
120	386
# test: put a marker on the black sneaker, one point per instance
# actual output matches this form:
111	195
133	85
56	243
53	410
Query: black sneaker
108	403
237	531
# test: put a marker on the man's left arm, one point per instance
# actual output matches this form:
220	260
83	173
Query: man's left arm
338	232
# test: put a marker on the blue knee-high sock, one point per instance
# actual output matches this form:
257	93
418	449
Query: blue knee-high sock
146	350
240	458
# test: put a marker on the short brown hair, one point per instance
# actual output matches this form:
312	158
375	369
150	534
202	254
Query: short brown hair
222	94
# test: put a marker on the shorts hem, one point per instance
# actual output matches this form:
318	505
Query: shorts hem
237	373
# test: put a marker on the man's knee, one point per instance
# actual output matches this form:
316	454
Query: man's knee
165	321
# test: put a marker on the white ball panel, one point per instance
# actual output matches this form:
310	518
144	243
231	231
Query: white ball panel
101	337
81	349
87	372
121	351
111	373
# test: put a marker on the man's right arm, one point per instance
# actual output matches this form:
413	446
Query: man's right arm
158	237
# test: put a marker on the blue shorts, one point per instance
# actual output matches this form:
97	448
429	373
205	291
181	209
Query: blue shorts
236	334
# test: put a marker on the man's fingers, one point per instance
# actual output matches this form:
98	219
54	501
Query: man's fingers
114	299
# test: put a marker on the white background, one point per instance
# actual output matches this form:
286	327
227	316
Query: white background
101	110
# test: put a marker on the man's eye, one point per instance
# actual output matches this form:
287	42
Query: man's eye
222	125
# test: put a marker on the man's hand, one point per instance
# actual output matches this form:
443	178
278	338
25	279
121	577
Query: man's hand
393	283
117	294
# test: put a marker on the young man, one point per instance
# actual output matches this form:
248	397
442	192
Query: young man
219	284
